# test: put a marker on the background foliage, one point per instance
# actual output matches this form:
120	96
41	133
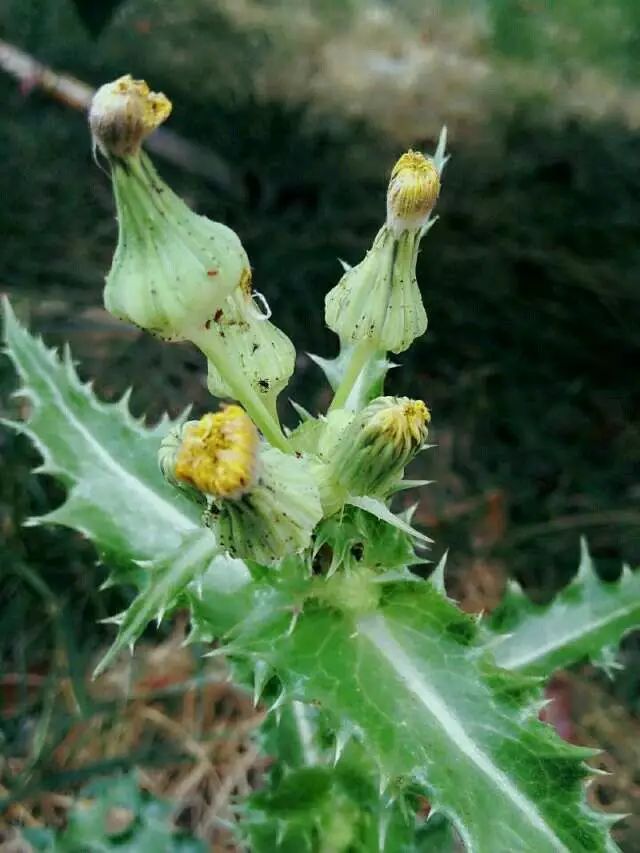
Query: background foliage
530	277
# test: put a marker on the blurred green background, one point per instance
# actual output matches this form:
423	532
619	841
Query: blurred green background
530	278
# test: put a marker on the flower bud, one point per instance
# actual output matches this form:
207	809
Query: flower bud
261	503
413	192
247	339
369	455
379	300
123	113
172	269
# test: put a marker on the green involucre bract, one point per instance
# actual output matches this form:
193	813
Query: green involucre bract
172	269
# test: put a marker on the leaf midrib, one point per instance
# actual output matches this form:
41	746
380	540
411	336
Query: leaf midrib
374	628
557	643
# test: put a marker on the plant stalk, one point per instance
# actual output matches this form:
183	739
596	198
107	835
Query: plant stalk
241	388
363	350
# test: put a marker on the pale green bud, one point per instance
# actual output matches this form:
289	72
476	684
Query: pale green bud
369	455
379	300
247	340
262	504
172	269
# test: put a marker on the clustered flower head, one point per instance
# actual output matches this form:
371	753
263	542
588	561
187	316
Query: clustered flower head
183	277
218	454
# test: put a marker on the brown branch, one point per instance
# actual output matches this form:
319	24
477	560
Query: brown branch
193	158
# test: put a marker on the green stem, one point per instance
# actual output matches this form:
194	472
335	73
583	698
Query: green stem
165	201
240	387
362	351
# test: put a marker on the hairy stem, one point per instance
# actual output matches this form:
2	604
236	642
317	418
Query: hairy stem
241	388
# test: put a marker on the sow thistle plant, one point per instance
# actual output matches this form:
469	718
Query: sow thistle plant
285	547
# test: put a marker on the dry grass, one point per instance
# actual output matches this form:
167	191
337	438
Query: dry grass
161	702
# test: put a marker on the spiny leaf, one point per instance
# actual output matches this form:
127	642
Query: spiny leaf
166	578
356	537
107	460
116	495
414	680
333	368
436	578
225	597
370	383
440	156
584	618
334	807
380	510
405	485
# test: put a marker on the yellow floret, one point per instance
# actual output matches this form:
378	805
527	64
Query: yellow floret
403	424
413	191
218	454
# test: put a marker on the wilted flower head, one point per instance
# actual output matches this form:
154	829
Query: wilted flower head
123	113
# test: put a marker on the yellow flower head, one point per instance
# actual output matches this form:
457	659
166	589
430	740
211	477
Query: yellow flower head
123	113
402	422
368	456
218	454
413	192
262	504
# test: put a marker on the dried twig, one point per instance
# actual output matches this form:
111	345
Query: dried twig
232	778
